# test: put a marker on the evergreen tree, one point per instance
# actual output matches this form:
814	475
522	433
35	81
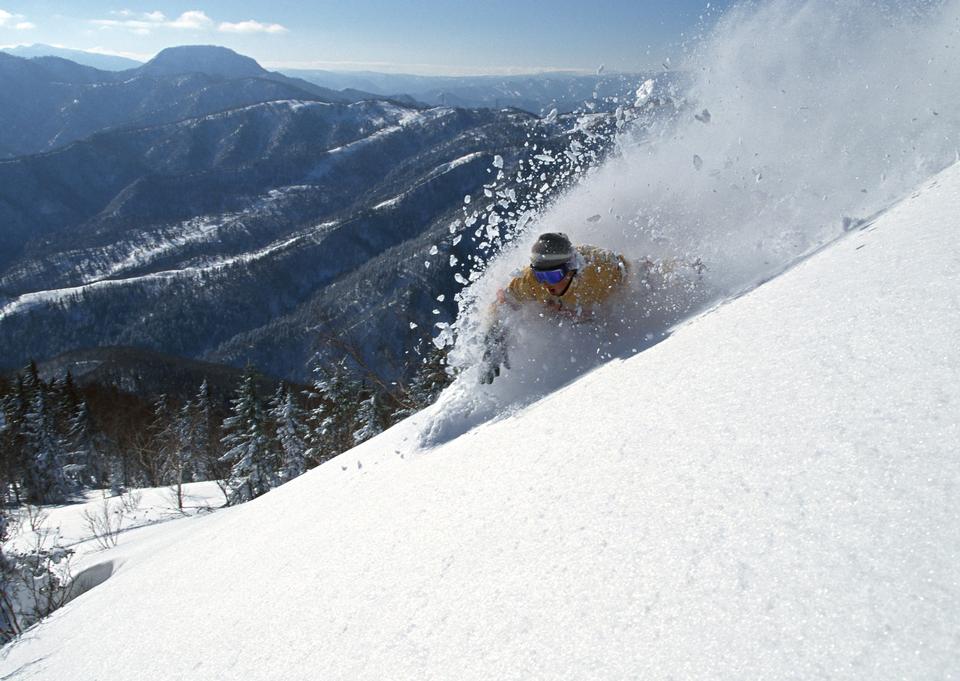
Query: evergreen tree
369	418
206	435
87	449
248	445
31	381
13	440
158	458
46	452
335	418
292	434
9	448
67	399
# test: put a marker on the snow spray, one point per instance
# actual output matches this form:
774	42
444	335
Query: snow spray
797	120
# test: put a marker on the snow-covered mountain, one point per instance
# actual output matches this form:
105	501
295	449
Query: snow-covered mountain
254	214
230	227
96	60
536	93
767	493
49	102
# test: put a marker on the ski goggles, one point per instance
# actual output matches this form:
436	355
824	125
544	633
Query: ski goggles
554	276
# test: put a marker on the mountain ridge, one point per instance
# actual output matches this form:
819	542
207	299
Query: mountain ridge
103	62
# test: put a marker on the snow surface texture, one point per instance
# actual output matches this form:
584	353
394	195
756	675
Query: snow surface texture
771	492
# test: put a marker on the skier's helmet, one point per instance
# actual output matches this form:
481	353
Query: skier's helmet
551	250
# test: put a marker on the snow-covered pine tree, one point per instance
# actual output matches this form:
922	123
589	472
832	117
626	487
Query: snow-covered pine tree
369	418
292	434
10	454
206	435
87	449
249	448
335	418
31	378
158	460
13	440
46	452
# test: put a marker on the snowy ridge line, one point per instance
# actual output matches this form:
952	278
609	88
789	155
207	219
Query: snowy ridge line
144	248
152	248
439	171
292	104
35	299
204	229
410	117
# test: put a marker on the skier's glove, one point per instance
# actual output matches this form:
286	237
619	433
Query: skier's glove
494	354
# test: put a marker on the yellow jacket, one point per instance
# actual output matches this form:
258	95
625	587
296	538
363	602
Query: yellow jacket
600	274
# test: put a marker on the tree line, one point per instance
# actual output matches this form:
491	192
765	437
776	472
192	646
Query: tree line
58	439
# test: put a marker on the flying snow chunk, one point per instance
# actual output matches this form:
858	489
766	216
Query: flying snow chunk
413	325
703	116
434	250
697	162
600	69
644	92
551	117
498	161
467	199
594	218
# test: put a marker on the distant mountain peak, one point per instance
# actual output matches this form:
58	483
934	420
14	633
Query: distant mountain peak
209	59
106	62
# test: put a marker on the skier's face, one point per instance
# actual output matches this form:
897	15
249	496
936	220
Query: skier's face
560	287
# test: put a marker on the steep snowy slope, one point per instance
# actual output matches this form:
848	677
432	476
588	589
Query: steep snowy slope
771	492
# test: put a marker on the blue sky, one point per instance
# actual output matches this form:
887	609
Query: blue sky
428	36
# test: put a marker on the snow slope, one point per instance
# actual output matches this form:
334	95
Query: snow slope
771	492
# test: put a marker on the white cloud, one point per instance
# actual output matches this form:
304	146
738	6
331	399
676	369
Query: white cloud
194	20
129	24
145	23
15	21
251	26
7	19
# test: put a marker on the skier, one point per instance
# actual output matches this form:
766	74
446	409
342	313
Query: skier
572	282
